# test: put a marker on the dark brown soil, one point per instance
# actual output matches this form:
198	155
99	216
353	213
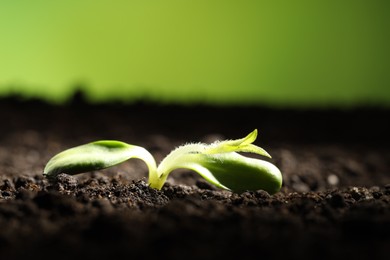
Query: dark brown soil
334	204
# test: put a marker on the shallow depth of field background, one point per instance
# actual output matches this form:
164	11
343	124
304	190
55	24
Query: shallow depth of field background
315	53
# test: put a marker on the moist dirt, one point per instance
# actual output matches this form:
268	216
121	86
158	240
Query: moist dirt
334	203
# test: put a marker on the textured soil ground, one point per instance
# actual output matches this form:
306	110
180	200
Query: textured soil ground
334	203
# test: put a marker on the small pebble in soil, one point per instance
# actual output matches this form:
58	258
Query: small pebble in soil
336	200
65	182
333	180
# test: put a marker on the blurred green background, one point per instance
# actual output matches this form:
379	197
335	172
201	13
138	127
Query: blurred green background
283	53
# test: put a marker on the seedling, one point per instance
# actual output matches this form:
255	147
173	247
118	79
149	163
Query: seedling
219	163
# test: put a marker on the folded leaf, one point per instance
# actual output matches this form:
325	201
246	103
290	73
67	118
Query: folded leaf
220	164
234	172
239	145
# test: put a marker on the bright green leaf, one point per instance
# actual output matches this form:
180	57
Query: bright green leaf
220	165
95	156
233	171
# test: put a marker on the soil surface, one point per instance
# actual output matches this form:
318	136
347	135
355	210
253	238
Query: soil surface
334	203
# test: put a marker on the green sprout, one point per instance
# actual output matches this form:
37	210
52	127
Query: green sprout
219	163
